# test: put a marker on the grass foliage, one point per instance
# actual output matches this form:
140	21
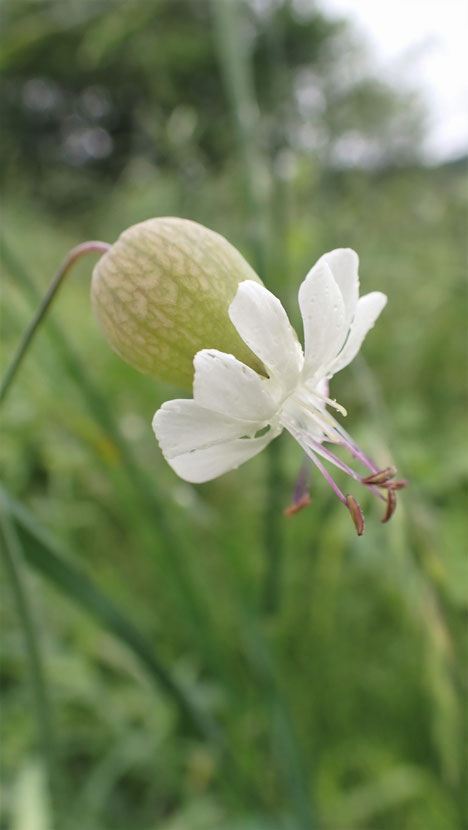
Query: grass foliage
178	657
342	710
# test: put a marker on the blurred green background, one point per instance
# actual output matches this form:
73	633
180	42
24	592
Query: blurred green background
185	658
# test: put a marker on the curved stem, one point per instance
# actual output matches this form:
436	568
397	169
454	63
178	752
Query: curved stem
74	255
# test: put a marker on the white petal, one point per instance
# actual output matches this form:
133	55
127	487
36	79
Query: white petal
198	463
323	316
344	265
183	425
367	311
263	324
224	384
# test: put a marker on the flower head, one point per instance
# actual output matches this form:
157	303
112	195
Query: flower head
162	293
235	411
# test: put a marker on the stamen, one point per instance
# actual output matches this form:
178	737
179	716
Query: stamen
381	477
324	472
330	437
345	439
331	402
321	418
296	507
377	481
391	505
356	514
397	485
355	450
321	450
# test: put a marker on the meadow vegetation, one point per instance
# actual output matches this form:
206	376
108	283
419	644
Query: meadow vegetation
195	660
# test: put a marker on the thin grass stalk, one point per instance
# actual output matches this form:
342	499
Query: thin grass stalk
283	737
17	578
278	278
236	70
237	76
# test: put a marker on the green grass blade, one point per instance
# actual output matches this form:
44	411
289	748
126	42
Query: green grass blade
43	555
12	556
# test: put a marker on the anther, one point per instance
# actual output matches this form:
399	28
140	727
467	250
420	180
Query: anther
298	506
356	513
381	477
397	485
391	505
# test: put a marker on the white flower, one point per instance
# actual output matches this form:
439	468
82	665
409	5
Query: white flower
236	412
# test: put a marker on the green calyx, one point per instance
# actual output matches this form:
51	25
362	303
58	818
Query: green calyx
162	293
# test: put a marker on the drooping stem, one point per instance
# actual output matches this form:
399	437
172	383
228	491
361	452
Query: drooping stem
74	255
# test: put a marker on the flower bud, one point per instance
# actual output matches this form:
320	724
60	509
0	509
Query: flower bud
162	293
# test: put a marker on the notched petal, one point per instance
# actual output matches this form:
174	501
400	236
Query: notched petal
224	384
183	425
263	324
323	317
367	310
205	464
344	265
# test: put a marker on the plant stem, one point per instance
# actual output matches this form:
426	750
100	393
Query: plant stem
273	531
236	68
13	562
73	257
